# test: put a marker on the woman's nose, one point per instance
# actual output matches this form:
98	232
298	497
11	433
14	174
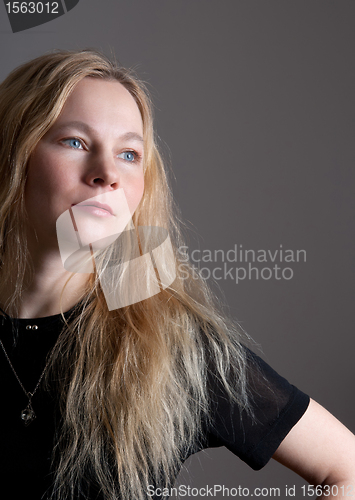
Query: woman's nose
103	171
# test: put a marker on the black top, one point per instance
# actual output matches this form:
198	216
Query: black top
25	462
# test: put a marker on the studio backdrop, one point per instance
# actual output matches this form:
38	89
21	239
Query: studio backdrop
254	112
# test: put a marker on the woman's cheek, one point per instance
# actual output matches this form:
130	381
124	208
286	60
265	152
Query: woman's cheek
135	195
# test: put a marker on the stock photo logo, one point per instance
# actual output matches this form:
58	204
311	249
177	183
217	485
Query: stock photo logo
25	15
97	236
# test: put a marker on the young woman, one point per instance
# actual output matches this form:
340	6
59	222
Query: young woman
106	397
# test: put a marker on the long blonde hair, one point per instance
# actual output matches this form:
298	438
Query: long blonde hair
135	395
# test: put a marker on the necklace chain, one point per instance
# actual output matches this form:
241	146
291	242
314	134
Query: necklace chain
28	414
28	394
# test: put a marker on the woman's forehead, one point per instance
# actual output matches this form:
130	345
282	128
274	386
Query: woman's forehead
102	104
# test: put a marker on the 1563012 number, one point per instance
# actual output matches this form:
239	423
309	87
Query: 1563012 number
32	7
328	490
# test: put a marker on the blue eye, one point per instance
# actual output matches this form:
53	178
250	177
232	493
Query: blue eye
74	143
128	156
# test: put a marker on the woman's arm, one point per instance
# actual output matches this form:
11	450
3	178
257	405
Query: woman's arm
321	450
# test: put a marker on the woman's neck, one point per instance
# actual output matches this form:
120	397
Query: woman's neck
42	293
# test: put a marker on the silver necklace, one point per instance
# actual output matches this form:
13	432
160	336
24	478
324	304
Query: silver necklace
27	415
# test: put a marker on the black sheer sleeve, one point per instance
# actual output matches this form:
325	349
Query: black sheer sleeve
277	406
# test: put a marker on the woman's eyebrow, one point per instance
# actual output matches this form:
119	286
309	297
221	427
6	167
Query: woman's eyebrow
84	127
132	136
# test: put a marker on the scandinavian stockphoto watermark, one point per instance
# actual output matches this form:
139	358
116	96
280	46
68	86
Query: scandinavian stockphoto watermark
97	236
240	263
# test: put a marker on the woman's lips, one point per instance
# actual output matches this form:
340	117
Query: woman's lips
95	208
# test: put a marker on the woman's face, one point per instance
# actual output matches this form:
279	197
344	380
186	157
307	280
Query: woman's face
89	164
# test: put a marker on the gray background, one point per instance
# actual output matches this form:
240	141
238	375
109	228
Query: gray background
254	110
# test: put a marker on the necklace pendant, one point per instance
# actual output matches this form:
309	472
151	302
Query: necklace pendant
28	415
